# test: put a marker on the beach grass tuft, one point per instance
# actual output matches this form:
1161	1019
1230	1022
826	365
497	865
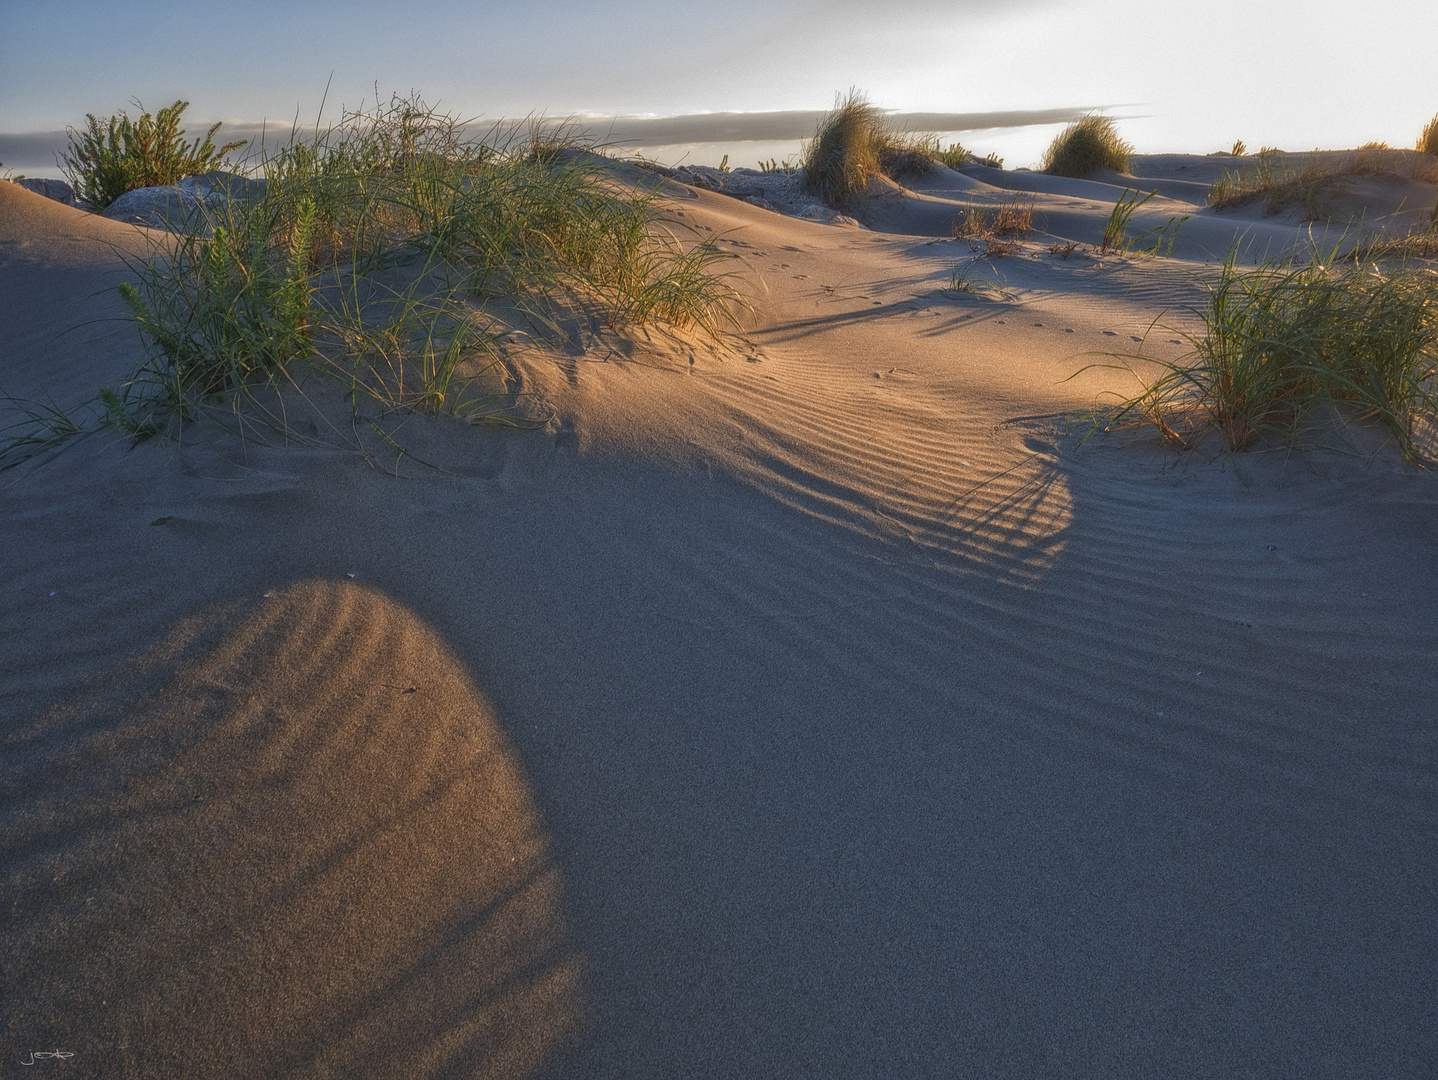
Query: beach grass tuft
966	278
1116	238
39	426
855	143
117	155
1279	184
843	156
904	154
1086	146
1012	215
1428	139
1290	343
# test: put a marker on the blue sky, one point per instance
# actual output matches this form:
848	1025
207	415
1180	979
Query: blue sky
1182	76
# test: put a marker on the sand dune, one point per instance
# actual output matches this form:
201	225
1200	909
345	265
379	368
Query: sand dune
817	706
288	839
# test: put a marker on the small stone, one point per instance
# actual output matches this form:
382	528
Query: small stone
189	205
58	190
157	207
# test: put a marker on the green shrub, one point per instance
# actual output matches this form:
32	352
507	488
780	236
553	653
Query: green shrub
1085	147
1116	238
120	154
1428	141
370	258
955	156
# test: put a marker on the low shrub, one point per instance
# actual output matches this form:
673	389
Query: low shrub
1085	147
119	154
855	143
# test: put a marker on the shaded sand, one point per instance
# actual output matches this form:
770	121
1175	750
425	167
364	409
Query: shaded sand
288	840
851	716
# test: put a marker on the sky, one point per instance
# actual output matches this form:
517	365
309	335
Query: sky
1179	77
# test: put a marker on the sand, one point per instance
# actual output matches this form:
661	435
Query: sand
826	706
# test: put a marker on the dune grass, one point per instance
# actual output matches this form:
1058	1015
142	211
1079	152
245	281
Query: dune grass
119	154
1086	146
855	143
843	156
1290	344
1308	182
1012	215
903	153
373	255
966	278
997	229
1280	185
1428	138
1116	238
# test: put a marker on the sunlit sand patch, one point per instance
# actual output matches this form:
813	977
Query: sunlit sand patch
959	493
